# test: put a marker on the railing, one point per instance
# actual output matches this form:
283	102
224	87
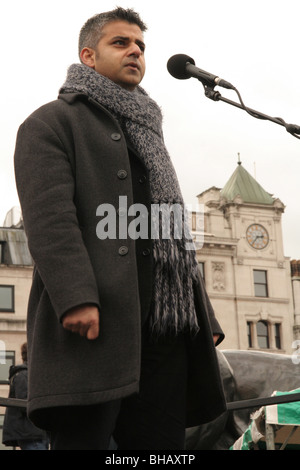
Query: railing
258	402
231	406
13	402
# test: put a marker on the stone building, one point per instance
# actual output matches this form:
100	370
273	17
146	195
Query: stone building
242	260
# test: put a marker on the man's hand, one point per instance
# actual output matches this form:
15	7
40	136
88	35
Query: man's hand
216	337
83	320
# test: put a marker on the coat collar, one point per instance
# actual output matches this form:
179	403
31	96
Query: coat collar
70	98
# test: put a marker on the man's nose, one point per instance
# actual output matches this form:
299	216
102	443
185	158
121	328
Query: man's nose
135	50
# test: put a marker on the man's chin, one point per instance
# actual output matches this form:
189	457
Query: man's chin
129	85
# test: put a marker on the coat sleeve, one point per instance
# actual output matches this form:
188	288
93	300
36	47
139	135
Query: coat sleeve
45	184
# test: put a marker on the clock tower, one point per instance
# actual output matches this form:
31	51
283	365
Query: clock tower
242	261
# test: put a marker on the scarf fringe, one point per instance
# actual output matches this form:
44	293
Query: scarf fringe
176	271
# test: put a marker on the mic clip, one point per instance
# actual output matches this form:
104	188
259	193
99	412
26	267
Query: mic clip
293	128
211	93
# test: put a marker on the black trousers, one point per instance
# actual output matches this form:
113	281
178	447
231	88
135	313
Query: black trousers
154	419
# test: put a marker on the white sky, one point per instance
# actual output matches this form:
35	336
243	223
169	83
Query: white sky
254	45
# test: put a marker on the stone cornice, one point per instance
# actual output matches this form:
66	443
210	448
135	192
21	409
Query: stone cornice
13	324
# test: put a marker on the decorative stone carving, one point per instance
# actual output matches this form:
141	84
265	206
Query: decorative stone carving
218	274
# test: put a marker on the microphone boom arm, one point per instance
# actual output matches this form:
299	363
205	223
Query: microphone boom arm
214	95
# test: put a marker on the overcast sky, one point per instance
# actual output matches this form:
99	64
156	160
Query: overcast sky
254	45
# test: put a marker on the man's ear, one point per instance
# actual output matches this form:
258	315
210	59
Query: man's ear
87	56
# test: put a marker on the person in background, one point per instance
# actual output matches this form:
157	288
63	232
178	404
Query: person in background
18	430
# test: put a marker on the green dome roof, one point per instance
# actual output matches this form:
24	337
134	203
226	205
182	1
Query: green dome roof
242	184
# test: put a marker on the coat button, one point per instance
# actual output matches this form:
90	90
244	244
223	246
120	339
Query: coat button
142	179
122	174
116	136
123	250
146	252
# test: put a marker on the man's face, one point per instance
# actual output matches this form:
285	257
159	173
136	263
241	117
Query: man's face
119	55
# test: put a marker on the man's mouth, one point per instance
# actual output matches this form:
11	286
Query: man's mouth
133	65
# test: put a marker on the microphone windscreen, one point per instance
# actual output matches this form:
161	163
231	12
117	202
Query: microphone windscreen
177	66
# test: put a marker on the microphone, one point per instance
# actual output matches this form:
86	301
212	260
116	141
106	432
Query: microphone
182	67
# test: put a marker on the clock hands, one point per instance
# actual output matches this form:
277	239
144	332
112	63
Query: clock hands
257	236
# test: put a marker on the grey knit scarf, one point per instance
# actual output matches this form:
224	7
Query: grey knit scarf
175	266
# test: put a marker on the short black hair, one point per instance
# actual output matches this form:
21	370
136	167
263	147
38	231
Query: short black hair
24	352
91	31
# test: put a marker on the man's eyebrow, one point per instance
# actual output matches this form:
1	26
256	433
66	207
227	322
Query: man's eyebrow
120	37
125	38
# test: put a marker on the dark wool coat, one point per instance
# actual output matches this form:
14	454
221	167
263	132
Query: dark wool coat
71	156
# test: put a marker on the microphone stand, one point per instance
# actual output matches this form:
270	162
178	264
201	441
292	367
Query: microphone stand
214	95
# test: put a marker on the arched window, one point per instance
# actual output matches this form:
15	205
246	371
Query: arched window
262	331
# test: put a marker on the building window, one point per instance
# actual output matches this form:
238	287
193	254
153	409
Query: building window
7	359
2	244
262	331
249	334
260	283
7	303
202	271
277	333
264	335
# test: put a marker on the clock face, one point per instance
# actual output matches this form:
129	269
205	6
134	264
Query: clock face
257	236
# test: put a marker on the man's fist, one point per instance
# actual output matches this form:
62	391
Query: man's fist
83	320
